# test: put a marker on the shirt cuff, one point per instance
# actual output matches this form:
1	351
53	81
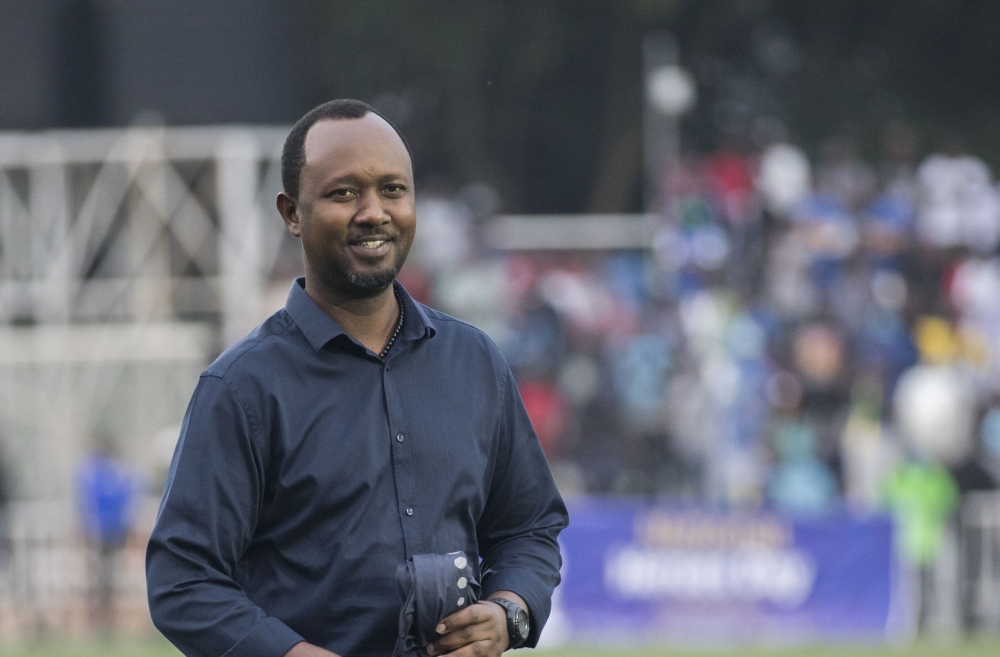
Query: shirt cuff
269	638
527	585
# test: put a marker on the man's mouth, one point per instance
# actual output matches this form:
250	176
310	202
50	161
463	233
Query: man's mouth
370	241
372	244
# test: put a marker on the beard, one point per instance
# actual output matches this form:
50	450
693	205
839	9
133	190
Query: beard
367	284
373	282
339	272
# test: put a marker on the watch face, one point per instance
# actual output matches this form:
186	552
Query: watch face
521	622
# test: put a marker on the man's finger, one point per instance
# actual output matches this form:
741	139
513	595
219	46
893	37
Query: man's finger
477	649
471	615
464	636
473	625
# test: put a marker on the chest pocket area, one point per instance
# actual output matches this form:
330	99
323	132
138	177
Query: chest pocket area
452	452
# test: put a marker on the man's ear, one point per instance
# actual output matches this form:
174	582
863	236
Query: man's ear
288	208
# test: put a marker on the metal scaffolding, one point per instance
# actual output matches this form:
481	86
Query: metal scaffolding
128	258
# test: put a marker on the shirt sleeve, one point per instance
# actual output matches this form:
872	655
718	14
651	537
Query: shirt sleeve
210	508
523	516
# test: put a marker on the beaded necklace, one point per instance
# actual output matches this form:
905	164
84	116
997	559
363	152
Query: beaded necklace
399	326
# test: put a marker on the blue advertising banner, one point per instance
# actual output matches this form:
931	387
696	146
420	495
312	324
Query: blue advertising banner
643	572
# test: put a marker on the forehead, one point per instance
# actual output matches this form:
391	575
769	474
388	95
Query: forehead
351	146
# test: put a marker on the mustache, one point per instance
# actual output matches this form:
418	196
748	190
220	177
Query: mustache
363	235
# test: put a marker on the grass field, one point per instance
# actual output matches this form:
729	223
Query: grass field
984	647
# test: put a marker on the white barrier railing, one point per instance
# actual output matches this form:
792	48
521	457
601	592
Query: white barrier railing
980	559
49	575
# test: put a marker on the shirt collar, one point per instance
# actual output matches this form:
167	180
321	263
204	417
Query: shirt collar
319	328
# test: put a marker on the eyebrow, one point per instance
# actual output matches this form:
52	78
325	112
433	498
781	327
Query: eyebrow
353	178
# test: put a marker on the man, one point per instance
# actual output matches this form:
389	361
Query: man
351	430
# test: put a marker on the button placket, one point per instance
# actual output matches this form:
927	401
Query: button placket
403	465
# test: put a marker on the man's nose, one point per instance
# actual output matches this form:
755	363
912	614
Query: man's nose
371	209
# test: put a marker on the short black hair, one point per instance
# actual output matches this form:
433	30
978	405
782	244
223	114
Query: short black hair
293	154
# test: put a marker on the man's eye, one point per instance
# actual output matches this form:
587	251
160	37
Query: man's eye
394	190
342	193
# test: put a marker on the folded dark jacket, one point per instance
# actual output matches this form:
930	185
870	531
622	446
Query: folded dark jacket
433	587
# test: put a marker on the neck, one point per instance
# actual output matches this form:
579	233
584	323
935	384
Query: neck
369	320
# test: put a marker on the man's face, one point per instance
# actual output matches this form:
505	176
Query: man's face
356	211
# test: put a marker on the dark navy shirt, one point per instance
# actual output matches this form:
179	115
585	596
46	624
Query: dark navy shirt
307	470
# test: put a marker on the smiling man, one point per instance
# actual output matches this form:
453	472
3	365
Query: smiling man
351	430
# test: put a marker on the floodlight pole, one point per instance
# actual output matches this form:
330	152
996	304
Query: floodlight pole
660	147
670	92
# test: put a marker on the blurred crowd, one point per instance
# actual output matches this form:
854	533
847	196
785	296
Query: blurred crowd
807	334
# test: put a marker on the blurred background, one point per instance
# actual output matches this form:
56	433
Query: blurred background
741	255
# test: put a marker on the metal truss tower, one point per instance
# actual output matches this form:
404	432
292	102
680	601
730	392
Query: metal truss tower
128	259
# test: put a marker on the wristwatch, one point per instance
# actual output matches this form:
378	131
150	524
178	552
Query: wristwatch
517	621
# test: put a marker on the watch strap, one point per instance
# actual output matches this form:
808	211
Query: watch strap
513	633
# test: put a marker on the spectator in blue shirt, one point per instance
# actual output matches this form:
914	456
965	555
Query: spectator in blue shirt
351	430
105	492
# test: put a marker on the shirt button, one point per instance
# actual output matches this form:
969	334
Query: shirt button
409	510
399	437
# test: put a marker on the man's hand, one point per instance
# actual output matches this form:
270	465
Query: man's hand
303	649
479	630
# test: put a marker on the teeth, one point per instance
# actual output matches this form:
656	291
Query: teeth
373	244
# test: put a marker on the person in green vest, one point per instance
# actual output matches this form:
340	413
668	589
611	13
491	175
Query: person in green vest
922	497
